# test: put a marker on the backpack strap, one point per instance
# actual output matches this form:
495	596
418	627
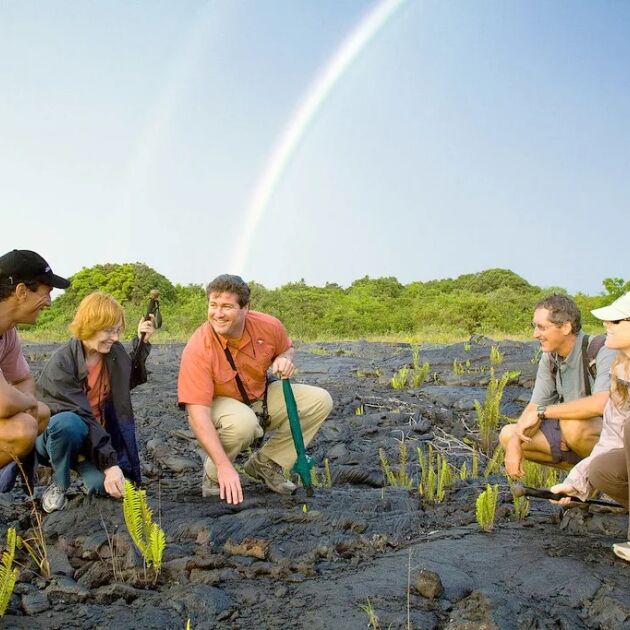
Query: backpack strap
595	344
590	349
585	366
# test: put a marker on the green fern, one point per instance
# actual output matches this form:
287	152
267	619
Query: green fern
8	574
539	475
399	478
486	507
494	463
463	472
327	473
147	536
399	380
521	507
474	472
419	374
435	475
496	356
489	414
387	469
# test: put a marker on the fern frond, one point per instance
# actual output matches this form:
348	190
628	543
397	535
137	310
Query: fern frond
157	544
8	574
133	513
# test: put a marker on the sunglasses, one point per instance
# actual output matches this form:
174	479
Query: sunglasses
618	321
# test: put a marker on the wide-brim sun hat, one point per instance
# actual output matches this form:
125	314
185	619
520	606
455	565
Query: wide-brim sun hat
619	309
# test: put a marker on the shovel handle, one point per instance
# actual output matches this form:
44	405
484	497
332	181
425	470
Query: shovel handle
543	493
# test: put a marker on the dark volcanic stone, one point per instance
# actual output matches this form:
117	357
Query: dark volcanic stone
112	592
202	601
66	590
428	584
35	602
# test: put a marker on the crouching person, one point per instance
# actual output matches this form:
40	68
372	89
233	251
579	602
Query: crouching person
223	385
86	384
608	467
26	282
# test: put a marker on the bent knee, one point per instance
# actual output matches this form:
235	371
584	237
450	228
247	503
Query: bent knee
244	425
19	434
67	422
315	400
325	402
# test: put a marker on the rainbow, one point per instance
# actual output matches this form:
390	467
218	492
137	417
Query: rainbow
315	96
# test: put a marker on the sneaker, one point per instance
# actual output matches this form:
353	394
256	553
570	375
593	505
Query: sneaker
622	550
54	499
260	467
209	487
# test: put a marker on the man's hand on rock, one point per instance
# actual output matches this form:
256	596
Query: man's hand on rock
229	484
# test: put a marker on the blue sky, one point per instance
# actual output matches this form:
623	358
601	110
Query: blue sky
464	136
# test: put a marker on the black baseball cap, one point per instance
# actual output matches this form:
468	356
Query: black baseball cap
23	265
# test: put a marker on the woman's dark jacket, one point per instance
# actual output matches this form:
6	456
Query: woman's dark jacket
62	386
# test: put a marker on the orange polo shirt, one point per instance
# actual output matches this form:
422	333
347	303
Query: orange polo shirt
205	372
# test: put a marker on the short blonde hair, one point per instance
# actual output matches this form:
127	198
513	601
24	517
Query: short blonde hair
97	311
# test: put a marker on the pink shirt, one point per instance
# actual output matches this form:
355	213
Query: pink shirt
610	438
13	365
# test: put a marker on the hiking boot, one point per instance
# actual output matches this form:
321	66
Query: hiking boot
53	499
260	467
209	487
622	550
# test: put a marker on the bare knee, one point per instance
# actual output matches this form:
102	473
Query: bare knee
18	434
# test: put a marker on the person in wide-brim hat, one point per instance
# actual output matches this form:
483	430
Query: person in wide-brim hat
607	469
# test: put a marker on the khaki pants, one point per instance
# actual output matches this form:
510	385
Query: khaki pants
238	426
608	472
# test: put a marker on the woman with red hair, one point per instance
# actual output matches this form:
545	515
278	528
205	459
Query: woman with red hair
86	383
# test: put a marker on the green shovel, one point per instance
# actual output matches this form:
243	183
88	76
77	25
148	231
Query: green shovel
303	463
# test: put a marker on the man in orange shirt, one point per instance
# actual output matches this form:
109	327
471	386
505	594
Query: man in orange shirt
223	381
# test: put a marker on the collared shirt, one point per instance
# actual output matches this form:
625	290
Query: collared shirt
569	380
610	438
13	365
205	372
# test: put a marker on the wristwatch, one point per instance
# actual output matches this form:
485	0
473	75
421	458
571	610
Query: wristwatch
540	412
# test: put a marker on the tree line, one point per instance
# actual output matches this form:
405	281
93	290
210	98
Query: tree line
494	302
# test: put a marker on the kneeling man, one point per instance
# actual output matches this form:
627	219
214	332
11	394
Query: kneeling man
562	422
26	282
223	385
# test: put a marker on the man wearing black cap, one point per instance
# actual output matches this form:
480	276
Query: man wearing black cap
26	281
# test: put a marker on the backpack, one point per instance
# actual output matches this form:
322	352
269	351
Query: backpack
590	349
